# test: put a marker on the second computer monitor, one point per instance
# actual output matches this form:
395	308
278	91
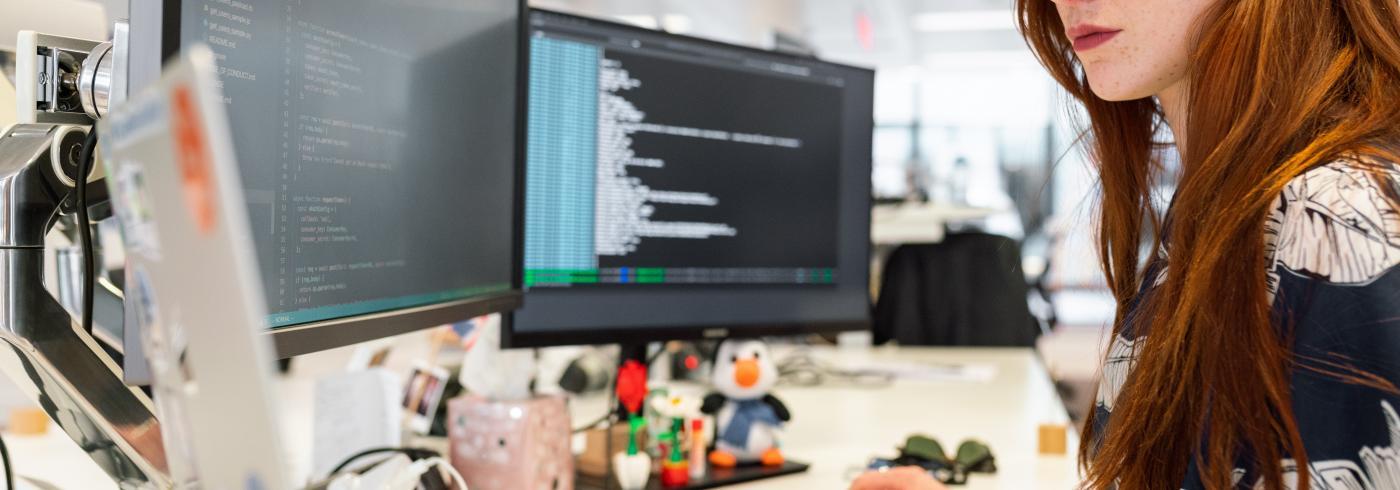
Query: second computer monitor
680	188
378	146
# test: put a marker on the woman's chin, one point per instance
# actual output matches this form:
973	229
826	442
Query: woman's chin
1116	88
1117	93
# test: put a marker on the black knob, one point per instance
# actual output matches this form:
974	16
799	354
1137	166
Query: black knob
71	150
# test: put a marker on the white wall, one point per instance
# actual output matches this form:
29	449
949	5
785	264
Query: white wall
8	115
990	89
116	9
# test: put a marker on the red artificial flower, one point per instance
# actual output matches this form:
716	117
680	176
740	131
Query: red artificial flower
632	385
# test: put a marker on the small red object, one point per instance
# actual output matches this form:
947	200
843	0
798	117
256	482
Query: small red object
865	30
692	363
632	385
675	474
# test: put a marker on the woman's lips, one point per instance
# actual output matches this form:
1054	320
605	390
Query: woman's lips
1088	37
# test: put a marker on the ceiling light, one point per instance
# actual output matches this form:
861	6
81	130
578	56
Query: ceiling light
971	20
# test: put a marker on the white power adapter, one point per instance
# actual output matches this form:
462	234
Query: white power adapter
396	473
387	475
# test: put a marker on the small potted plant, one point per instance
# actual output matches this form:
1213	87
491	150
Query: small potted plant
676	409
633	468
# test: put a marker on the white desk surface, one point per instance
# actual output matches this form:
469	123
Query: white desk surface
845	427
835	428
895	224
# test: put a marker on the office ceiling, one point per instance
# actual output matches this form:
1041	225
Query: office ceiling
894	33
878	33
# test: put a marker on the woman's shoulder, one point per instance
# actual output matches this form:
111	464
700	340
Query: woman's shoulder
1350	174
1338	222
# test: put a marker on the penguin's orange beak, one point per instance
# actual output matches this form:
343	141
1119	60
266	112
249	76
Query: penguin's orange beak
746	372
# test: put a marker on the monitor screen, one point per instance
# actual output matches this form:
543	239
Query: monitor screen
377	141
675	185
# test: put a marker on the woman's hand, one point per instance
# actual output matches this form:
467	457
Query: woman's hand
903	478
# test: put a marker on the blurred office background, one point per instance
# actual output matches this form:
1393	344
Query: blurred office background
964	114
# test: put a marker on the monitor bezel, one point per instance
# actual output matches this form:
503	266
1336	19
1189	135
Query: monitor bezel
310	337
512	338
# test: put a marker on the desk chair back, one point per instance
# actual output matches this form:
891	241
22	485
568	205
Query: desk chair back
968	290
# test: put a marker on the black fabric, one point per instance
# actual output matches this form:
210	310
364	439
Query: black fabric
779	408
965	291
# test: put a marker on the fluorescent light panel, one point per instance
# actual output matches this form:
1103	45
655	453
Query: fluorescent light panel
970	20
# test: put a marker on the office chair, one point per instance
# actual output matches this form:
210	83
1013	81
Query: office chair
965	291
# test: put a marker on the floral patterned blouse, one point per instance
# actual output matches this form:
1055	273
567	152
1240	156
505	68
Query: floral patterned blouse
1333	242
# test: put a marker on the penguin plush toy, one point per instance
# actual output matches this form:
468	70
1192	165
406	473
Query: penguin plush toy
748	419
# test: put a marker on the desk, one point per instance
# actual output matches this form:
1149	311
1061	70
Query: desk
55	461
838	428
835	428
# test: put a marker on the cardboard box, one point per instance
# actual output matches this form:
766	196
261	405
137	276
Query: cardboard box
595	458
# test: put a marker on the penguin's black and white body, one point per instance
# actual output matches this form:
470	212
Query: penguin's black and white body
748	419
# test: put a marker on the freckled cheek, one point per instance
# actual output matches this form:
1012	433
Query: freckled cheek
1106	76
1138	58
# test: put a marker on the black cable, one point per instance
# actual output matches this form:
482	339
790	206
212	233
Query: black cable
9	473
803	369
654	356
411	452
85	163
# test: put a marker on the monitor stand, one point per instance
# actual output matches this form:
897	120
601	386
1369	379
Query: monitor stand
714	477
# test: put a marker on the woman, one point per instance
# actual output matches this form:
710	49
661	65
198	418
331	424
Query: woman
1259	345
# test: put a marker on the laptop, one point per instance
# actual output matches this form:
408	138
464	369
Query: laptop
175	188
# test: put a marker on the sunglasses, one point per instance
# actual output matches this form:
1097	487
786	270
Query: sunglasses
927	453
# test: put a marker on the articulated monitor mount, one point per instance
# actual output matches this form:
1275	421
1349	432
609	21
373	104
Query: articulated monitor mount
70	376
56	363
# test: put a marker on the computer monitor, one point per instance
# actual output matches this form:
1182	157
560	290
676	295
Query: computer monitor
678	188
377	142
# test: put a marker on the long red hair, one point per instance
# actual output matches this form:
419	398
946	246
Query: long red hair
1275	88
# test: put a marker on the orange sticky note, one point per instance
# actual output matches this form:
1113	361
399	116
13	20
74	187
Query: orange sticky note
1053	439
28	422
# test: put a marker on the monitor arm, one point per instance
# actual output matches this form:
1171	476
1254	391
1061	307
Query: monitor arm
56	363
